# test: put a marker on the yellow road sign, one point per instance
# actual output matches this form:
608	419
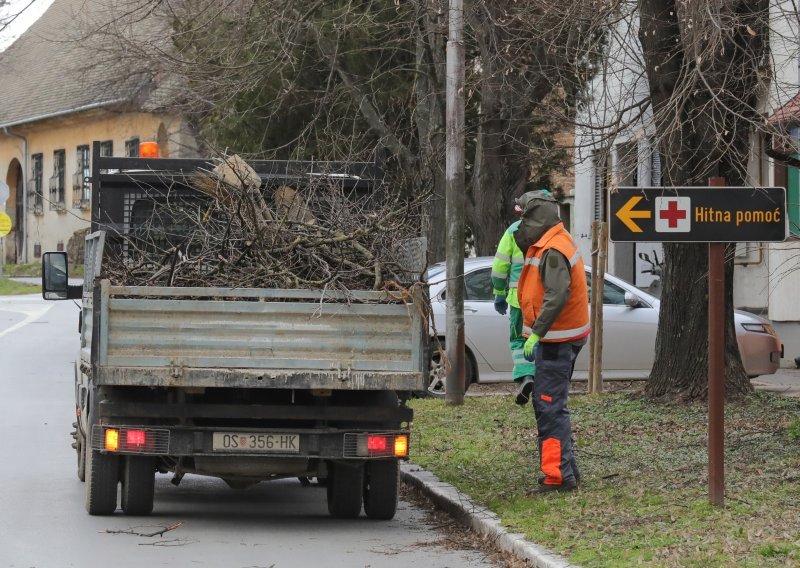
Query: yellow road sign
5	224
626	214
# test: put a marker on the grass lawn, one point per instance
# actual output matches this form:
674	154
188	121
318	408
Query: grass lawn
34	269
9	287
643	498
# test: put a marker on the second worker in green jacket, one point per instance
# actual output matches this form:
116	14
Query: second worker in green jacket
506	269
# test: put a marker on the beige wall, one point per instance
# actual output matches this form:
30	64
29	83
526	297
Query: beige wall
52	227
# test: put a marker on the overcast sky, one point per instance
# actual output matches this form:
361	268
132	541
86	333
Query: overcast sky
30	12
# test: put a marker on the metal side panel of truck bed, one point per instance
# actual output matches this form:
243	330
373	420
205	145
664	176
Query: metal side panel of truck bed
217	337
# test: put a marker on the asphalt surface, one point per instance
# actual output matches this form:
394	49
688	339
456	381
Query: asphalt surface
42	518
785	382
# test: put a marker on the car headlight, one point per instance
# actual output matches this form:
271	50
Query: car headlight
759	328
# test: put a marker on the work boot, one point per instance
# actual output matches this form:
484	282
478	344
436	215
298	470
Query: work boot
575	470
524	391
565	487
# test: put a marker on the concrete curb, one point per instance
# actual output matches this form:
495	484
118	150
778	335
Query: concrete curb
479	518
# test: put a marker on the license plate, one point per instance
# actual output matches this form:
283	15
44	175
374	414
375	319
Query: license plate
251	442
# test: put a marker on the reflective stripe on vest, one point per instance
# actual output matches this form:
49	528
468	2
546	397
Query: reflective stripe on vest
573	321
565	334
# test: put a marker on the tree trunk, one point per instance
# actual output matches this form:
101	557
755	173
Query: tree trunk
488	193
703	89
502	161
429	117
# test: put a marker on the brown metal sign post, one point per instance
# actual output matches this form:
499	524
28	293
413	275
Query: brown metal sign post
715	215
716	366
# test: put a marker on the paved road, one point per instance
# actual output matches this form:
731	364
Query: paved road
43	523
785	382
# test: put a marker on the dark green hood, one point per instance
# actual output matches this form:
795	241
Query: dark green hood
539	214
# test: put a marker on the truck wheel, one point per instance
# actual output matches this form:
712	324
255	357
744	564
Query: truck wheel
81	450
345	487
102	476
381	486
138	485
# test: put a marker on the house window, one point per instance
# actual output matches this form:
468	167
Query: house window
628	164
132	147
602	174
107	148
163	141
36	195
57	180
655	167
80	183
792	184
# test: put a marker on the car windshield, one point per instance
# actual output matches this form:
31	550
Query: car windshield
435	271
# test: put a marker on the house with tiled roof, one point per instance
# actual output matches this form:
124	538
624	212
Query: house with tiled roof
58	94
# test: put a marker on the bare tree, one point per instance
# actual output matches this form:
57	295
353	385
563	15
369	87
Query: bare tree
359	80
696	78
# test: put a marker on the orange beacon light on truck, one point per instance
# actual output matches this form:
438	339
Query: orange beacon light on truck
148	149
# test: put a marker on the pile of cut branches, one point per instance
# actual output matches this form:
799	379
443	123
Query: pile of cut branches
233	232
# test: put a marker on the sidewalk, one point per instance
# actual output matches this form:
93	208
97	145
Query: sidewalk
785	382
480	519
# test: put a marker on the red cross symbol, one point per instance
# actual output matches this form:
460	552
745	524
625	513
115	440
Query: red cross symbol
672	214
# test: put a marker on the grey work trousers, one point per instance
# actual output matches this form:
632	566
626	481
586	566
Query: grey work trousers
554	365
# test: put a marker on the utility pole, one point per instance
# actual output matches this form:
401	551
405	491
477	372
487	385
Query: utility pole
454	177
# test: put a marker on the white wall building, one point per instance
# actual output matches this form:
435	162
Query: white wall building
614	141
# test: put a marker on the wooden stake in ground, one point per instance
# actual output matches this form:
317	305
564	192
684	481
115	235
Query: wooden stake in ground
597	312
592	302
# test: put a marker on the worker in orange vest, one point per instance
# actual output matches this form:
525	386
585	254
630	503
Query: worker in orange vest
554	300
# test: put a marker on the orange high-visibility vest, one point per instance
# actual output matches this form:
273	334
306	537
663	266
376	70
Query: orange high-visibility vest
573	321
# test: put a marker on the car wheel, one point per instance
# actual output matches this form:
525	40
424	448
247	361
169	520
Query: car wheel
437	374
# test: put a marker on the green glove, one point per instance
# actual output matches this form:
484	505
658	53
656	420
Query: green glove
530	344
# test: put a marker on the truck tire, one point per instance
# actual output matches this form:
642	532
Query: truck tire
102	477
138	485
345	488
381	487
81	450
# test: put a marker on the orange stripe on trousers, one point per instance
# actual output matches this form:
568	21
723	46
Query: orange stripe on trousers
551	461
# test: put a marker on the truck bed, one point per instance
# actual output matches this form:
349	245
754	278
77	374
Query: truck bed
254	338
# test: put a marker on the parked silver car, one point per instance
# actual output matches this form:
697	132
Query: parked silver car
630	322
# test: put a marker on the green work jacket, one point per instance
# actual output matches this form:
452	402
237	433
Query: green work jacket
507	266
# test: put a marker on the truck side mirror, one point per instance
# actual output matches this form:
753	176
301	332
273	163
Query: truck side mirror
55	278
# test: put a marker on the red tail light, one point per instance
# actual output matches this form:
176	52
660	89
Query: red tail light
376	443
135	438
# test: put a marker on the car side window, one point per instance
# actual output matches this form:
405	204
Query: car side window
612	294
478	285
